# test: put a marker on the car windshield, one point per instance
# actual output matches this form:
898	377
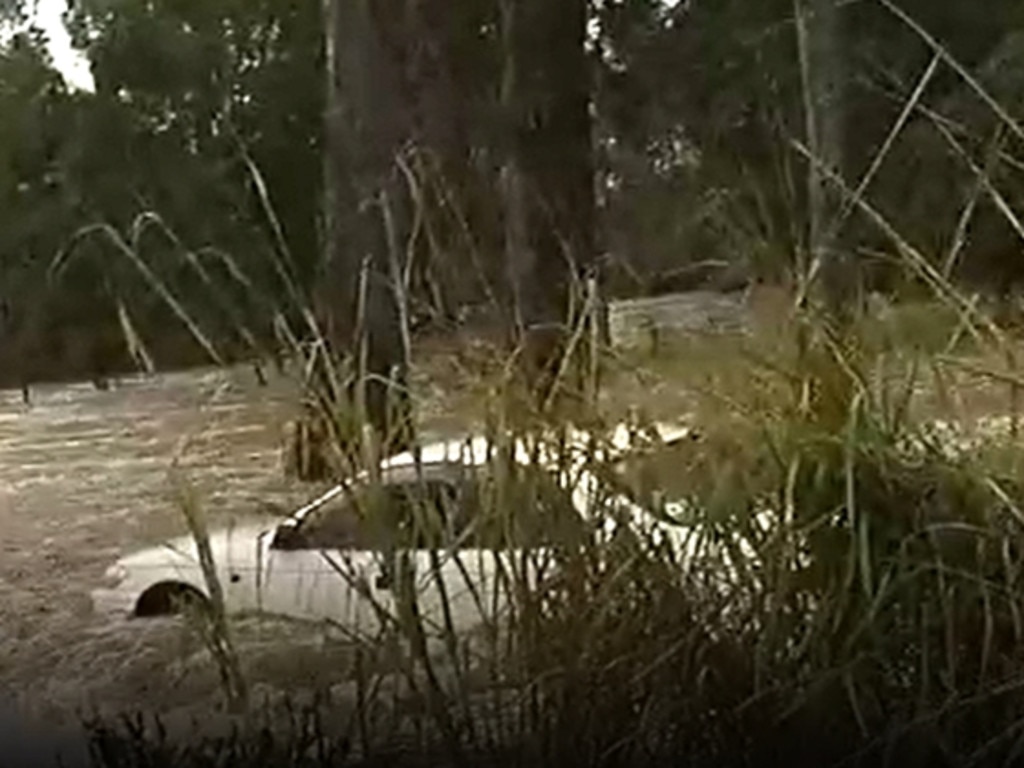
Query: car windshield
467	508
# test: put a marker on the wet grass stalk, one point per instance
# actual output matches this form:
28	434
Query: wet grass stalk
209	617
207	614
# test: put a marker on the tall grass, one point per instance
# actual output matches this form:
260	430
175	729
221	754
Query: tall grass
208	616
850	591
847	591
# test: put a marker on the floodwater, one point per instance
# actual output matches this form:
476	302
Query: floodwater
85	477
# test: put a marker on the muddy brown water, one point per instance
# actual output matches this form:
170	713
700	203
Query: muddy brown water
84	478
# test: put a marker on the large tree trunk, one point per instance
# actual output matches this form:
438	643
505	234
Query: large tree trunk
548	175
440	269
822	58
366	212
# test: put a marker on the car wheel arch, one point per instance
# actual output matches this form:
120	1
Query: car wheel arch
166	598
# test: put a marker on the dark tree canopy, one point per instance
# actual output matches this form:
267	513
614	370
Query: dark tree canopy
207	128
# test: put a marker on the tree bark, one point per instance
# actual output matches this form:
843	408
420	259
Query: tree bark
548	175
820	43
365	208
441	167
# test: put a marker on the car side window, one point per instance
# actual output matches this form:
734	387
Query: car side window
529	509
427	514
401	514
335	525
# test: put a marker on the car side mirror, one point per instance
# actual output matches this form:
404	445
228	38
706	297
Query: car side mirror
288	537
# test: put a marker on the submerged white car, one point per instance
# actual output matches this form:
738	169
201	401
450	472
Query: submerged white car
430	519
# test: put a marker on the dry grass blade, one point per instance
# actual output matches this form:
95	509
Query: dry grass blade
212	617
158	285
981	185
212	624
984	180
136	346
967	311
192	259
1001	112
890	140
281	254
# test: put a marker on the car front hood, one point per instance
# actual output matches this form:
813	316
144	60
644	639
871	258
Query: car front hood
236	545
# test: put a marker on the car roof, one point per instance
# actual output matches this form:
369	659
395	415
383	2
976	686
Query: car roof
429	471
446	458
401	473
476	450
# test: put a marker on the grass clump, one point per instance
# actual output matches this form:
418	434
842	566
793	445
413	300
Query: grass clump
833	579
884	590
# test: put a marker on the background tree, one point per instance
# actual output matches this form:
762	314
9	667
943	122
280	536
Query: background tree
210	116
822	59
548	176
390	98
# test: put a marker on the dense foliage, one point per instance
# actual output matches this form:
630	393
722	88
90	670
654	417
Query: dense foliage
202	141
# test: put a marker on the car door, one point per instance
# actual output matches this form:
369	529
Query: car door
467	576
432	552
327	568
520	528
